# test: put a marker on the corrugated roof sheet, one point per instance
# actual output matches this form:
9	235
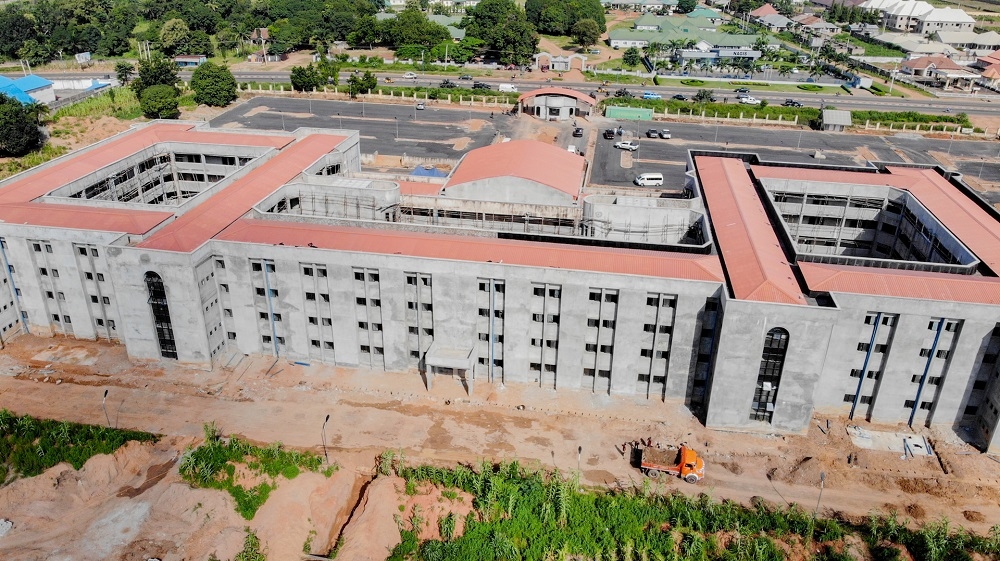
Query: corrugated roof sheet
526	159
752	256
32	82
77	166
972	225
822	277
77	217
199	224
463	248
557	91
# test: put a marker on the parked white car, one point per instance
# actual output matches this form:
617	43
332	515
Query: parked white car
750	101
627	145
410	76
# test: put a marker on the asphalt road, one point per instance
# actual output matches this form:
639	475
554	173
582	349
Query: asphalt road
987	104
386	129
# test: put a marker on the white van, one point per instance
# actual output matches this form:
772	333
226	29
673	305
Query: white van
508	88
571	148
649	180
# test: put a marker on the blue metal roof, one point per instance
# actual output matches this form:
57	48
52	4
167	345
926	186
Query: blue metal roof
15	92
32	82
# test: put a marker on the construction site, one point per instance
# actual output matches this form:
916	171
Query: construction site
134	504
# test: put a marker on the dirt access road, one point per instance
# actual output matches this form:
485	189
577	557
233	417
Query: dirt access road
371	412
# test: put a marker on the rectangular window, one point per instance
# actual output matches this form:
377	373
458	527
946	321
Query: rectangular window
865	399
483	312
591	347
550	367
50	295
359	276
552	344
863	347
308	271
662	354
327	321
951	326
321	272
412	330
328	345
652	301
43	271
943	354
849	398
48	248
589	372
604	374
100	277
220	264
591	322
227	312
426	307
649	328
607	349
37	247
925	352
552	318
412	281
609	323
229	334
611	298
648	353
535	366
259	291
88	276
926	405
595	296
536	317
366	349
314	343
908	404
538	291
889	320
256	267
363	325
55	273
93	298
554	293
372	277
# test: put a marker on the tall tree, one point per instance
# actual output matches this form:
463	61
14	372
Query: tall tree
174	35
686	6
503	26
157	71
124	71
631	57
159	102
586	32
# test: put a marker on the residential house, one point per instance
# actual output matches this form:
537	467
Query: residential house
970	40
775	23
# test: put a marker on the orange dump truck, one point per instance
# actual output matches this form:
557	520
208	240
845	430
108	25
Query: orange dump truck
683	462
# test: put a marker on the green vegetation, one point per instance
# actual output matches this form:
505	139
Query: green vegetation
121	103
525	515
213	85
32	159
213	465
558	17
19	123
909	118
443	93
810	87
251	548
694	83
805	114
159	102
29	446
871	49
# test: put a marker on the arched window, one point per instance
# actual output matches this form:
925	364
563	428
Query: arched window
161	315
772	361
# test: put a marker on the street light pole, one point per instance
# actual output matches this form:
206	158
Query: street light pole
397	126
341	120
103	400
324	439
893	80
822	481
981	166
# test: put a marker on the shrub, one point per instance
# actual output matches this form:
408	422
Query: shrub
810	87
19	123
692	82
159	102
213	85
213	465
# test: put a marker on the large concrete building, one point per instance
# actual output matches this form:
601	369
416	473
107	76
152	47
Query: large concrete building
757	293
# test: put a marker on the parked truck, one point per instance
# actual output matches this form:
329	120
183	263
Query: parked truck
682	462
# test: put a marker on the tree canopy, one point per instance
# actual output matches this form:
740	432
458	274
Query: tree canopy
156	71
557	17
19	124
159	102
586	32
504	29
213	85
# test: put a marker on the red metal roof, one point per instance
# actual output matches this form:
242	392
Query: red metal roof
419	188
75	167
526	159
751	253
557	91
977	229
463	248
822	277
207	219
78	217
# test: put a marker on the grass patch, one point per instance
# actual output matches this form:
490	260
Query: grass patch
871	49
251	548
29	446
13	166
443	93
728	110
121	103
616	79
937	122
810	87
187	100
694	83
531	516
213	465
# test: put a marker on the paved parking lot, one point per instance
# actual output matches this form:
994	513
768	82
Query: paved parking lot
387	129
798	146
